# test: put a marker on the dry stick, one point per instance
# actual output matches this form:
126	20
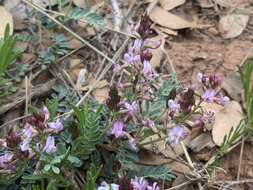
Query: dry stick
240	159
26	95
188	158
38	8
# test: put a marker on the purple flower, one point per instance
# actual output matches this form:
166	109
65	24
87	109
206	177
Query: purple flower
148	123
131	58
28	131
139	183
176	134
137	45
153	187
132	109
50	145
148	71
173	106
105	186
5	160
56	126
25	147
117	129
221	99
209	95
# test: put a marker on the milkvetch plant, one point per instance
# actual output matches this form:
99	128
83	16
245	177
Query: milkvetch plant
98	147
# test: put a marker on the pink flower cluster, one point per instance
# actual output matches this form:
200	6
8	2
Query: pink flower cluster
211	85
30	140
138	183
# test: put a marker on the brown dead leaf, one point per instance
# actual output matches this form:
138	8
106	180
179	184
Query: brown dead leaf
45	3
226	119
85	3
202	141
81	79
75	63
157	53
6	18
22	46
149	158
167	19
205	3
162	147
166	31
171	4
233	25
232	84
74	43
101	94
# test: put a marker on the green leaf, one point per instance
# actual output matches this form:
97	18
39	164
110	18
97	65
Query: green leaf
155	172
47	167
87	16
92	175
91	130
55	169
52	185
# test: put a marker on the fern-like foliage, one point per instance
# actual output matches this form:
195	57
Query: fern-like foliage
91	131
59	47
155	172
87	16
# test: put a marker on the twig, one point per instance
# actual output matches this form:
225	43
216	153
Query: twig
180	185
118	16
16	119
36	91
240	159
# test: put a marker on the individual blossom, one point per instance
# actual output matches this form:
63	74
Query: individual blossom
187	99
117	129
5	160
132	109
221	99
148	123
139	183
105	186
176	134
173	106
131	58
148	71
13	139
50	145
207	118
28	132
137	45
25	147
56	126
146	55
209	95
153	187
